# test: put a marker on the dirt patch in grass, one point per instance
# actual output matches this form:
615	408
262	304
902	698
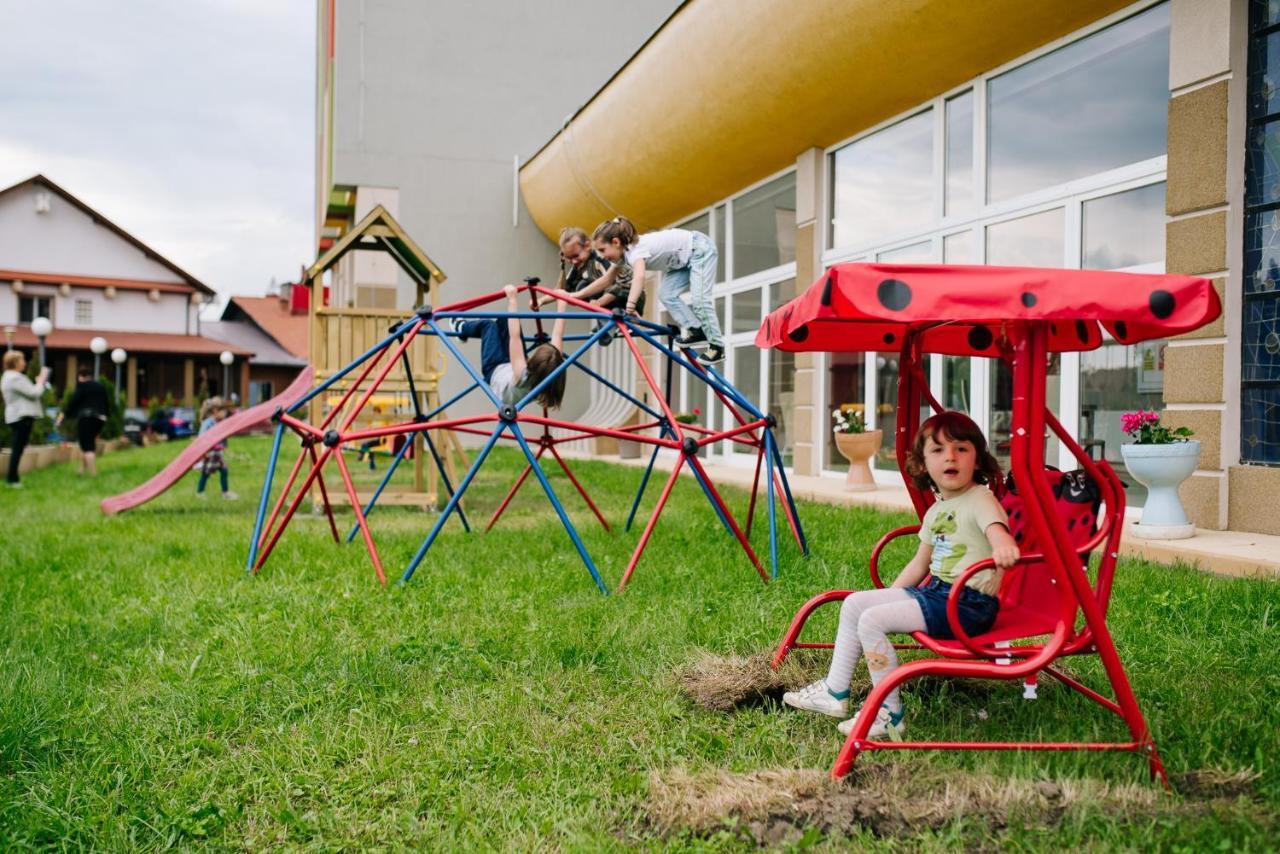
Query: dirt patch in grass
776	807
723	683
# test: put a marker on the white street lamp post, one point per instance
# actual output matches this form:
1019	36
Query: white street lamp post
99	346
226	359
41	327
119	356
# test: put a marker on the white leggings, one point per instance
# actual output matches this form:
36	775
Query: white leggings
866	618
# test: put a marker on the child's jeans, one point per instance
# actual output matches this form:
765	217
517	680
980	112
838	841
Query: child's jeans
494	342
699	277
204	478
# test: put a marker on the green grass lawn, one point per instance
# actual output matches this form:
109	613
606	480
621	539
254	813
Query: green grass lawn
152	695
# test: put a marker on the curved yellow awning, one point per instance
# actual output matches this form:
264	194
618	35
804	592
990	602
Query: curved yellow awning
729	91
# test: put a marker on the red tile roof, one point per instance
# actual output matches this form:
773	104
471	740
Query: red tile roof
133	342
272	316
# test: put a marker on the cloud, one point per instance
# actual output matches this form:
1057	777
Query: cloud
190	124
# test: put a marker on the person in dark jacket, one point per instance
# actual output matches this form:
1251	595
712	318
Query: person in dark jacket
88	405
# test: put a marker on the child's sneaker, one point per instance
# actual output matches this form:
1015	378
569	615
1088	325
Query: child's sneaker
452	324
203	496
887	724
711	356
691	336
230	496
817	698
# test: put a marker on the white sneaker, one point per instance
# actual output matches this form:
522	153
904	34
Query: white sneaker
203	496
887	725
817	698
229	495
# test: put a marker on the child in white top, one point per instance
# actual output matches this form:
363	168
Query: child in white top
687	261
965	525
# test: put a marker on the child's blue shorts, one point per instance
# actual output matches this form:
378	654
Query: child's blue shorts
977	611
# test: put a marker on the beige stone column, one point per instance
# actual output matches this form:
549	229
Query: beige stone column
73	362
810	205
188	382
131	382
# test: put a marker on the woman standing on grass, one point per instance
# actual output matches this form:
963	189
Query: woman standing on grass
21	405
88	405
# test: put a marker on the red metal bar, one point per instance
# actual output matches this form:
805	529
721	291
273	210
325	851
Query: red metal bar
600	431
512	492
653	520
284	494
300	426
733	523
369	366
786	509
583	492
874	564
1130	746
729	434
364	526
293	507
1084	689
416	427
386	369
653	386
324	495
789	637
755	489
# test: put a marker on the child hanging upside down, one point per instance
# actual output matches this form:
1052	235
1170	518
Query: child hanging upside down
503	363
966	525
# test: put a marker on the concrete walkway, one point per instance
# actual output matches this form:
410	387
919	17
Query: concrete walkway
1220	552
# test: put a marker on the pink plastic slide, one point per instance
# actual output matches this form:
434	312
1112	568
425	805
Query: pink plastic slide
190	455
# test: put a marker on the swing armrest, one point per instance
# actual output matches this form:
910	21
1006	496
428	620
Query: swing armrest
953	600
874	563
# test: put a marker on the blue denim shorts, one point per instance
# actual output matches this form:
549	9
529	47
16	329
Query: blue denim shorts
977	611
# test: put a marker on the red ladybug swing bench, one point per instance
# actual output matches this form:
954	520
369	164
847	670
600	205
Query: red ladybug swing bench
1020	315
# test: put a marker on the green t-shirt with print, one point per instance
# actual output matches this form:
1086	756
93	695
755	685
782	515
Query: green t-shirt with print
956	528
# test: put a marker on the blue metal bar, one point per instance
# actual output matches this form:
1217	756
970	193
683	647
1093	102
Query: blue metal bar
266	496
773	514
555	502
444	476
472	314
351	367
386	478
741	398
564	366
413	389
711	379
630	398
644	481
453	502
457	354
786	489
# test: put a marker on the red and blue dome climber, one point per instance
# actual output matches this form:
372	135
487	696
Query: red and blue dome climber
513	422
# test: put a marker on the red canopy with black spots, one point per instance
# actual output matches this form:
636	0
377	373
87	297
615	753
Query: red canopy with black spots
966	309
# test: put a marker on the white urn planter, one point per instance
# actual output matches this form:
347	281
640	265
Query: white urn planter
1160	468
858	449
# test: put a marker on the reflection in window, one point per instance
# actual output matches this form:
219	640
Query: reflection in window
887	409
1115	379
782	399
1124	230
1091	106
916	253
746	311
1031	241
764	227
958	248
1001	379
746	378
722	257
701	223
955	384
846	384
781	293
959	166
884	183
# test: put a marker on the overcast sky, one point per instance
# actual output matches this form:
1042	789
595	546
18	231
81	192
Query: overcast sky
189	123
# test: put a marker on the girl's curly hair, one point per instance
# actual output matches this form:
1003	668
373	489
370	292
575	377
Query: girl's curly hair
959	428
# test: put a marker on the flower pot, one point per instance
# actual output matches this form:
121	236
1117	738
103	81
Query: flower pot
858	448
1160	468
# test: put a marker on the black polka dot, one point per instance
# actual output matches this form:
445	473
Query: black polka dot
1071	523
1028	299
893	294
1018	536
1161	303
1053	328
889	337
980	338
1082	331
799	334
1122	329
826	290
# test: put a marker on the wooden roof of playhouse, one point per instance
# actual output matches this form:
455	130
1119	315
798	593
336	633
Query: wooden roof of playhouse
380	232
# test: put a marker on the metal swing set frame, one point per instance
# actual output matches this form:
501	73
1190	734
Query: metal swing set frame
323	443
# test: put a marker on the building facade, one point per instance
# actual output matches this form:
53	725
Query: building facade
62	260
1106	135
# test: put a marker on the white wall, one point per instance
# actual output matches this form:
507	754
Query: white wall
130	311
66	240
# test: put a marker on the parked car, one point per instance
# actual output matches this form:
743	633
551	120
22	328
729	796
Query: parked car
176	423
135	424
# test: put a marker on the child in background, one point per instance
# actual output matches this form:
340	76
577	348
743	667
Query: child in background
503	363
213	411
687	261
966	525
580	265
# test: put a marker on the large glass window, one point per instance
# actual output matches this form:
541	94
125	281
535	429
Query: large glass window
746	311
1029	241
1124	230
1115	379
764	227
916	253
846	387
746	378
721	229
959	165
782	399
1094	105
884	183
